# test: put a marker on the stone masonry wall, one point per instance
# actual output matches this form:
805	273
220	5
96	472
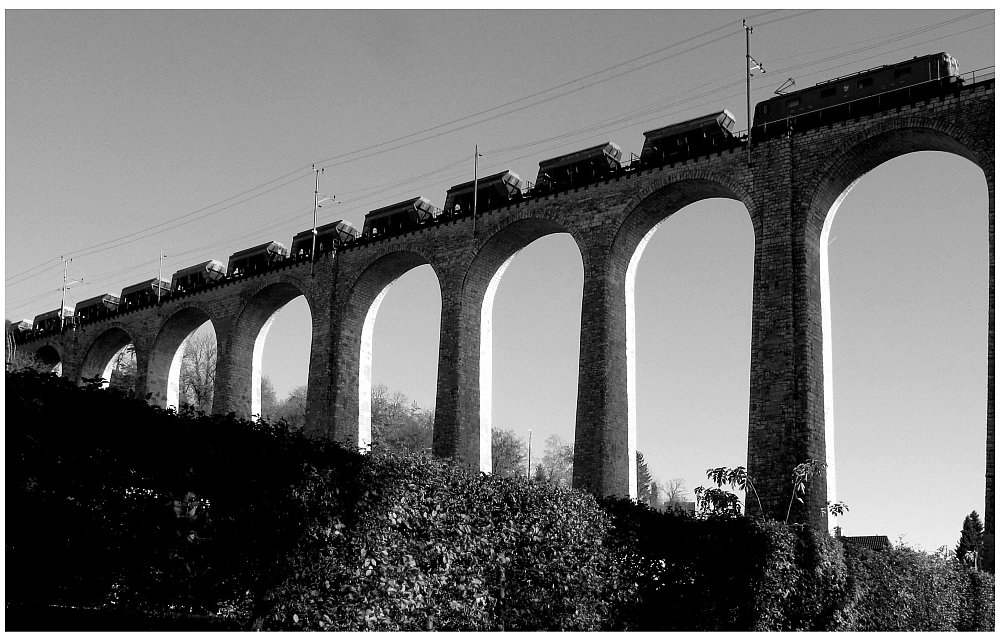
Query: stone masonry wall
791	186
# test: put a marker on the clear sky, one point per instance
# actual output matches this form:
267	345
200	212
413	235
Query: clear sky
193	133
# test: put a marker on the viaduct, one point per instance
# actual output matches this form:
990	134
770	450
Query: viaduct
791	184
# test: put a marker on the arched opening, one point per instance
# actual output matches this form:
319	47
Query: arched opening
905	304
401	340
284	368
244	368
111	357
527	348
199	357
185	344
531	315
636	231
355	341
47	359
690	333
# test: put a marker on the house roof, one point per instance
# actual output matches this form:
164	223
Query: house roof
877	542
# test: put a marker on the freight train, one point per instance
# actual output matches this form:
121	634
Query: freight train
830	101
857	95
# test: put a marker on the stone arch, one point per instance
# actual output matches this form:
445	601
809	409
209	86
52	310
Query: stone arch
100	351
659	200
165	356
852	160
50	355
366	292
645	212
244	350
494	250
887	139
517	230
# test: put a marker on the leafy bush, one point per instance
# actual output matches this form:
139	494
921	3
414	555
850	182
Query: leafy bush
904	589
722	573
117	505
435	548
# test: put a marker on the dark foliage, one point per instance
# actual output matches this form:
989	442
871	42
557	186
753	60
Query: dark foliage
970	543
124	505
152	520
902	589
434	548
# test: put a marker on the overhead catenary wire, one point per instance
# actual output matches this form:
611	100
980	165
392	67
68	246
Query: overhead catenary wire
659	108
340	158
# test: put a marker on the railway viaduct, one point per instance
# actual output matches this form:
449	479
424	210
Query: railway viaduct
791	184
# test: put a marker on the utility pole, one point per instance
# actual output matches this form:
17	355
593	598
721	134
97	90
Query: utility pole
529	455
65	285
312	254
475	191
159	277
751	66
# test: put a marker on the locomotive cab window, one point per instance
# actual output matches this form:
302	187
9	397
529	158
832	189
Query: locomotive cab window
794	102
865	82
899	73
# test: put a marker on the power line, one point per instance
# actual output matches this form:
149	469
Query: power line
436	127
147	232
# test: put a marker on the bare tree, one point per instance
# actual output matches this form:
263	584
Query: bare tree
197	384
509	453
673	492
556	467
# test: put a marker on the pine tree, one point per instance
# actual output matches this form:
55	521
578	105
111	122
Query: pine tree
970	544
643	479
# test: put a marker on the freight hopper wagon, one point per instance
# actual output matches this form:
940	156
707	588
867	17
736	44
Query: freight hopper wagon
53	322
699	136
197	276
145	293
578	168
96	308
494	191
399	218
328	237
256	259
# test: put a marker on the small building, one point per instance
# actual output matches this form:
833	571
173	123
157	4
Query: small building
874	542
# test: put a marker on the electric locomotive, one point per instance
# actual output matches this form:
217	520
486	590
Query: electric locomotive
857	94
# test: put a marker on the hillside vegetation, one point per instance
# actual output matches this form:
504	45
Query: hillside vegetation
138	514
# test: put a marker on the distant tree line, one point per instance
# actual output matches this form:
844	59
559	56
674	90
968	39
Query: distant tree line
399	425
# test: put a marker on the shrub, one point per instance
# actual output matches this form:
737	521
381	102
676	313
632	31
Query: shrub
116	503
904	589
435	548
153	512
